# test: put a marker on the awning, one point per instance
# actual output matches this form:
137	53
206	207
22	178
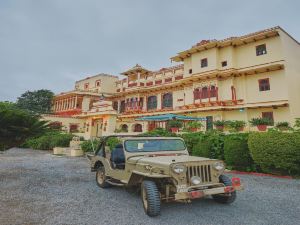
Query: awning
169	116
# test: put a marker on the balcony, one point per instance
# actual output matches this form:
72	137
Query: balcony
157	81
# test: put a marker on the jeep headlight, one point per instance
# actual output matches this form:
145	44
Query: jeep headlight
179	169
219	166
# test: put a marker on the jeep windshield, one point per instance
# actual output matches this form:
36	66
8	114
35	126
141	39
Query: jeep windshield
154	145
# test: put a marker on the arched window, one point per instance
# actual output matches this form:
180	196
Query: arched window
213	91
152	102
204	93
137	128
124	128
167	100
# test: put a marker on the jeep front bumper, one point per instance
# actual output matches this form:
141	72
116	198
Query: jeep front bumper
199	192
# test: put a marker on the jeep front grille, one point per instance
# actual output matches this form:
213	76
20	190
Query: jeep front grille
204	172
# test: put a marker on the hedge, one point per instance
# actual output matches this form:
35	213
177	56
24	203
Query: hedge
276	152
236	152
192	139
49	141
210	145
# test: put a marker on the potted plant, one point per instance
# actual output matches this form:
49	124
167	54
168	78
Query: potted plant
175	125
220	124
283	126
236	125
194	126
261	123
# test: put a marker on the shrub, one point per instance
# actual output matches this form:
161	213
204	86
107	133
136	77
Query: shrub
210	145
194	124
283	126
297	124
175	124
49	141
260	121
219	123
236	152
90	146
112	142
276	152
235	125
191	139
159	132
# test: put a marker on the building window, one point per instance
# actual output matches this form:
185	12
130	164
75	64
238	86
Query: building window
264	84
190	71
261	50
122	107
197	94
98	83
167	100
204	93
203	62
124	128
115	106
73	128
137	128
224	63
268	115
213	91
86	85
152	102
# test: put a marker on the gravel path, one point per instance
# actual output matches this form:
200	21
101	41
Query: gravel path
39	188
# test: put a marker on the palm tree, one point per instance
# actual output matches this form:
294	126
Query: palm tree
17	125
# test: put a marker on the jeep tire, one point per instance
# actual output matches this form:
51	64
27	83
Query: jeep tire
101	178
225	198
150	198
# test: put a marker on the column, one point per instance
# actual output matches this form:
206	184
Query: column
76	102
119	106
138	78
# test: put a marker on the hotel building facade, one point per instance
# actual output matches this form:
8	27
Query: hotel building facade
238	78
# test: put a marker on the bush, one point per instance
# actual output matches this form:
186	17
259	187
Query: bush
112	142
90	146
49	141
210	145
236	152
276	152
235	125
191	139
159	132
283	126
175	124
260	121
194	124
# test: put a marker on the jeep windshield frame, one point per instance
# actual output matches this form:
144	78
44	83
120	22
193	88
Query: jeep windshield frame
154	145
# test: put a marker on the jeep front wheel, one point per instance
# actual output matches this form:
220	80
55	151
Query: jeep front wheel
225	198
150	198
101	178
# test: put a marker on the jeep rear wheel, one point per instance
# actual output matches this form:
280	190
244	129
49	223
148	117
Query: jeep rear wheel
150	198
101	178
225	198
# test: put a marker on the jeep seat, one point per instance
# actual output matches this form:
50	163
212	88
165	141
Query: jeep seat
117	157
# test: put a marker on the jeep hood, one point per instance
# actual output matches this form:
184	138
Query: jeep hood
166	160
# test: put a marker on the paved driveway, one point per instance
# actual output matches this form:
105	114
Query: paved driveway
39	188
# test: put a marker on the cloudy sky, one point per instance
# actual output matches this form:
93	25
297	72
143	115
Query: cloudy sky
51	43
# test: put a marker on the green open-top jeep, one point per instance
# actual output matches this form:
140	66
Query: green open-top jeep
163	169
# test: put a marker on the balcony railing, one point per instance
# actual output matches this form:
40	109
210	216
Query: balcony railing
149	83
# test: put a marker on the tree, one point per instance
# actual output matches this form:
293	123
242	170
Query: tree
39	101
16	125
